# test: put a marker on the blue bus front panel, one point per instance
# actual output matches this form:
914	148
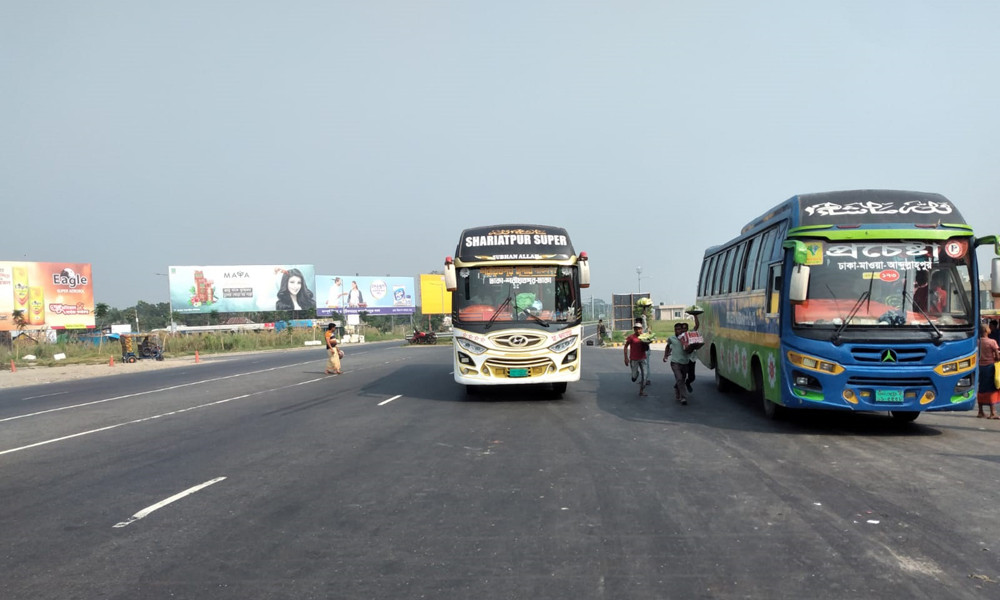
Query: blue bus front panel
879	377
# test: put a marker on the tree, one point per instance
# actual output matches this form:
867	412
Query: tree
101	311
20	322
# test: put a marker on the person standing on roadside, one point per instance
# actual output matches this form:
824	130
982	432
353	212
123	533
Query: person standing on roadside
602	332
637	359
987	394
679	361
333	362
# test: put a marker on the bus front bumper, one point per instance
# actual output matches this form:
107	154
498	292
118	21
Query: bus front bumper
489	369
917	390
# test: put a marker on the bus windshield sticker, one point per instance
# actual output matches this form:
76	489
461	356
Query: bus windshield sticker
883	250
956	248
814	253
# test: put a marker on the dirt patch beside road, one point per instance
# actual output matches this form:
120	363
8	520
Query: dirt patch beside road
37	375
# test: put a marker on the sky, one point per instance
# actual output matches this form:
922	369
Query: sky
362	137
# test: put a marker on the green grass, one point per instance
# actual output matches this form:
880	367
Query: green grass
175	345
662	329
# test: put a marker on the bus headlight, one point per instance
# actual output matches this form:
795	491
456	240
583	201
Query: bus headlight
814	364
956	366
564	344
470	346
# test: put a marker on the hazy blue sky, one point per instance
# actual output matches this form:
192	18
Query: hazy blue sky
362	136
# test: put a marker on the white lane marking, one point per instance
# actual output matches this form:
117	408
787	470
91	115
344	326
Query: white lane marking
147	392
44	396
133	422
146	511
390	399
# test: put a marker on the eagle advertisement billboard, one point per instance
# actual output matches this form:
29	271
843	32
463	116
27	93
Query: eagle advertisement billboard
56	295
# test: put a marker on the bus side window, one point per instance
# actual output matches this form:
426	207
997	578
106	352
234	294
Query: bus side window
773	289
766	251
736	283
717	275
750	280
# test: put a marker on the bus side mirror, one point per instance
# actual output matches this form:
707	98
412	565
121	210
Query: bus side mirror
798	286
990	239
584	266
799	253
450	282
995	278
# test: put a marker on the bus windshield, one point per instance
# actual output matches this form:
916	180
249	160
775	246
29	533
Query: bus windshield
545	295
887	284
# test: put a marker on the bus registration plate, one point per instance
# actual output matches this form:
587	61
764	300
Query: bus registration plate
517	372
889	396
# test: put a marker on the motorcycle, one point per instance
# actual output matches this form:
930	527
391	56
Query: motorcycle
420	337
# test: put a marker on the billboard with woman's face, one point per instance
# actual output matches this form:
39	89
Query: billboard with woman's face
36	295
351	295
242	288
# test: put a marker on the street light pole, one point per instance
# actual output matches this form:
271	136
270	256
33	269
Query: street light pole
638	276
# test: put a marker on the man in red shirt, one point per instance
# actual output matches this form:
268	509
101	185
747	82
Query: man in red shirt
637	359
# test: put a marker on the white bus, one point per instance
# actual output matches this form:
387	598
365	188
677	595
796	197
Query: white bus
516	308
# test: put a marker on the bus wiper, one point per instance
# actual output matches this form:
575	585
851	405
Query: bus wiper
538	319
497	312
913	302
857	306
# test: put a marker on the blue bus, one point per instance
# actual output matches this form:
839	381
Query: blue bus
862	300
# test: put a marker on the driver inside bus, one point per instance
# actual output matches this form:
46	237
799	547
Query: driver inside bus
928	293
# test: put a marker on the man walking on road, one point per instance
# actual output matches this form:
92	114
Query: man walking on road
679	363
637	359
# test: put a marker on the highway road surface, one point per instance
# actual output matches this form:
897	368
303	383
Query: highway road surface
257	476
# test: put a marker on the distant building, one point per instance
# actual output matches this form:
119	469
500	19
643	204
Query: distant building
671	312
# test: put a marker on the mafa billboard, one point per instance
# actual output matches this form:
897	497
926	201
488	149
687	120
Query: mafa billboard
242	288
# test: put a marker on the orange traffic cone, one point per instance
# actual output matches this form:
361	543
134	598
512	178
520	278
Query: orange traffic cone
196	359
13	369
111	362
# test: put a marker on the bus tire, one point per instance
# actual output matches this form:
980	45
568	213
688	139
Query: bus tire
904	416
721	383
559	388
772	410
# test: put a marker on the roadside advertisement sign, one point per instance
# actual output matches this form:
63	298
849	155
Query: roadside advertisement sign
242	288
435	299
353	294
48	295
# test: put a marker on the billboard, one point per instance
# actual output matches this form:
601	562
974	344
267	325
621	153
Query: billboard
242	288
623	305
352	295
435	299
49	295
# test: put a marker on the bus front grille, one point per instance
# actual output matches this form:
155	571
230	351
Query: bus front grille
901	355
900	382
518	341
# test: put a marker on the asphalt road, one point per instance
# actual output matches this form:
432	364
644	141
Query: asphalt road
259	477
